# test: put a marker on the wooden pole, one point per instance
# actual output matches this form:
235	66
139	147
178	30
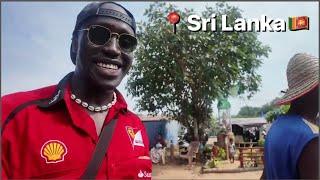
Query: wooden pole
227	147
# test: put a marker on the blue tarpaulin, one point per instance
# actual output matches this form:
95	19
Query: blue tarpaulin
154	128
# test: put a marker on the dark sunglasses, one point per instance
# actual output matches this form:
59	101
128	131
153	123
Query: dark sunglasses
100	36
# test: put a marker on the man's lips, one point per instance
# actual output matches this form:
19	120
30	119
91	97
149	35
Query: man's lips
108	63
108	67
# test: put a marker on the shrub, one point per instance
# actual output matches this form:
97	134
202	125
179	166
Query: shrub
222	153
213	163
207	149
207	152
261	142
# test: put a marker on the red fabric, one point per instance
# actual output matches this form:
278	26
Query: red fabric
214	151
25	136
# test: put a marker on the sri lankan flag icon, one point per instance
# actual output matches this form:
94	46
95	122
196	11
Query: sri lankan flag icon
299	23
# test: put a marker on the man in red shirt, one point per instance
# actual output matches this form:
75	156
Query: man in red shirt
52	132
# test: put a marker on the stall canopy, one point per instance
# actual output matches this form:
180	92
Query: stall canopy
249	122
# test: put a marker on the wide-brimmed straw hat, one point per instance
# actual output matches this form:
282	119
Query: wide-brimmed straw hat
302	76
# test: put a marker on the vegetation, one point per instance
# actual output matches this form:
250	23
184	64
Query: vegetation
214	127
261	142
212	163
221	154
207	152
272	115
269	110
247	111
180	75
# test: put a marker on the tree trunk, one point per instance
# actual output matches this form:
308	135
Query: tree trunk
196	130
227	146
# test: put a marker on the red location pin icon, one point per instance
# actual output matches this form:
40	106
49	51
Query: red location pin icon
174	19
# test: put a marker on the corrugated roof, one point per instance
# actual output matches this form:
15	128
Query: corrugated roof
152	118
248	121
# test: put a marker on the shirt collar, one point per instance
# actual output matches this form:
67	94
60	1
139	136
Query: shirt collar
58	95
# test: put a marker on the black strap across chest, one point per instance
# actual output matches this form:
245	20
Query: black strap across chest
100	151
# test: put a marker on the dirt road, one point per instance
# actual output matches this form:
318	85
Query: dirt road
181	172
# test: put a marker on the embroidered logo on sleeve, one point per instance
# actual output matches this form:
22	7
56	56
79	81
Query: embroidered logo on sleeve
53	151
135	136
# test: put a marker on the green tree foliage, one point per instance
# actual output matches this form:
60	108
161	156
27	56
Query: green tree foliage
248	111
273	111
214	126
267	107
272	114
181	74
269	110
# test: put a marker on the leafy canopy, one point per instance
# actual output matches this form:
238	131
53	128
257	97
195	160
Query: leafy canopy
269	110
182	74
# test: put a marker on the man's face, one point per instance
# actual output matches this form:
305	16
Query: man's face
313	98
106	65
310	101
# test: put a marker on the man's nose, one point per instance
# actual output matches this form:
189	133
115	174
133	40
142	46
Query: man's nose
112	49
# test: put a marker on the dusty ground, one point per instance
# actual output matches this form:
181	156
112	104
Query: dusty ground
176	171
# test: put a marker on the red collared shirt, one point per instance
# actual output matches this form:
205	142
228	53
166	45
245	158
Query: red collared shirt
56	138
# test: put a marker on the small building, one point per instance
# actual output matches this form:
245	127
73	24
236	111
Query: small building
155	125
246	129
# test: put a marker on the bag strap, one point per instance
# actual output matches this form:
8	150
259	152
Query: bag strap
100	150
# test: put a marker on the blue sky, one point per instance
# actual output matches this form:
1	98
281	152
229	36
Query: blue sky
36	37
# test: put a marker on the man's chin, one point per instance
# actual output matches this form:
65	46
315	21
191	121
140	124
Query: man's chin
107	84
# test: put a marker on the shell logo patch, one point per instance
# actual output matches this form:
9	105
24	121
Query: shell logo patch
135	136
53	151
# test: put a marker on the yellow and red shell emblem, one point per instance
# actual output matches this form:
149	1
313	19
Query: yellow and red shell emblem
53	151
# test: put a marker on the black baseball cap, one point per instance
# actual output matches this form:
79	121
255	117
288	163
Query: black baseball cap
94	9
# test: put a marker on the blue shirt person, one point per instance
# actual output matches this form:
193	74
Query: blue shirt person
292	143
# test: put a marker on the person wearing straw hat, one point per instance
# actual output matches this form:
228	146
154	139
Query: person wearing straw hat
291	146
